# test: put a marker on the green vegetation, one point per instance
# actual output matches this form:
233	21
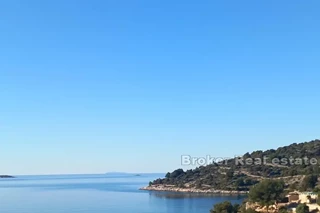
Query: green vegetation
294	168
267	192
225	207
302	208
309	183
283	209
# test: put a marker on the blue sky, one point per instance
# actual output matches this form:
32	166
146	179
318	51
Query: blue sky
98	86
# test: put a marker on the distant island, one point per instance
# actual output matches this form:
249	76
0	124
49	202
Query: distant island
6	176
297	165
117	173
122	173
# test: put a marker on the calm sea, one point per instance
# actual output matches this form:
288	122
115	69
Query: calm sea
97	194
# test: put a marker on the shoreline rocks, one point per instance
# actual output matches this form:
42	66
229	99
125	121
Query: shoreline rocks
190	190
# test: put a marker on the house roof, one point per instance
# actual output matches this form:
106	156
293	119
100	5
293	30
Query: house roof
294	193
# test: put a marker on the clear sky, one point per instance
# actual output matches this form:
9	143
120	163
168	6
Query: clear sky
98	86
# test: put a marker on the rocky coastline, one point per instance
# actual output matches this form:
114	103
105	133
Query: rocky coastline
190	190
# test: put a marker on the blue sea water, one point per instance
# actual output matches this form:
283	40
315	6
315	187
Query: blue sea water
97	194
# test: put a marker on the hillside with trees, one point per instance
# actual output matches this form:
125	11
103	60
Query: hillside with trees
297	165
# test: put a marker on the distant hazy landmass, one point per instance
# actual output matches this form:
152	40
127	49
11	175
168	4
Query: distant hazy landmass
117	173
6	176
122	173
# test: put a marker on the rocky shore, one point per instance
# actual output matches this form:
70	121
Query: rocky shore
189	190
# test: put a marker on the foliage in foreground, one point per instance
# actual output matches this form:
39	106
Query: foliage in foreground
267	192
225	207
302	208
